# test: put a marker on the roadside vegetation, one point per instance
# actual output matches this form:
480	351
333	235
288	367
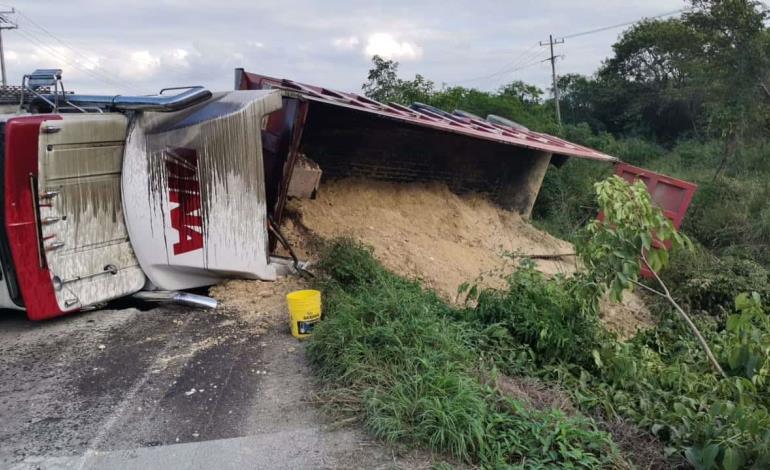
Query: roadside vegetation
424	373
689	97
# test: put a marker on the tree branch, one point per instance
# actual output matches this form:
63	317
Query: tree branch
667	295
764	87
648	288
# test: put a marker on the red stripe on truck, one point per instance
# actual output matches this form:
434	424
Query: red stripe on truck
21	220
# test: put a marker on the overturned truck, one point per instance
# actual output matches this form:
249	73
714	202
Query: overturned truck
348	134
109	196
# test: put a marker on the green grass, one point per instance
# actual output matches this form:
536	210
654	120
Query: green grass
421	373
397	354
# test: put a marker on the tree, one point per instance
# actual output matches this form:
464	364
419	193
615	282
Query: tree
647	85
523	92
580	100
384	84
707	72
518	101
632	229
732	66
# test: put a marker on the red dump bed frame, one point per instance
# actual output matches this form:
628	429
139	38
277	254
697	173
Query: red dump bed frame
672	195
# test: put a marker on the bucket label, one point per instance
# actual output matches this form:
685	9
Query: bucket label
306	327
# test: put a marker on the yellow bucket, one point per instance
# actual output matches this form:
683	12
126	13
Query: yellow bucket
304	311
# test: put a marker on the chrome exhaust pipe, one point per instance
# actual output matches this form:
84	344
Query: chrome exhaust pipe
183	298
161	103
194	300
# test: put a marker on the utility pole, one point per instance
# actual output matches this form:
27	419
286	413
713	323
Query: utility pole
5	23
550	43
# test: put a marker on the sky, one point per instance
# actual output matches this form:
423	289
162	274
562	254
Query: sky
141	46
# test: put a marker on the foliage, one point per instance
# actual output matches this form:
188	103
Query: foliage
707	284
383	84
747	347
704	74
416	368
732	216
731	63
517	100
395	353
729	218
565	202
657	380
631	226
546	316
648	78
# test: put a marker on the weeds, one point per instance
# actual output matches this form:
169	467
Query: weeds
413	367
418	371
656	380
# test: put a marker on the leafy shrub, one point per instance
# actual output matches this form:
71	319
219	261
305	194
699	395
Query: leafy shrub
566	199
657	380
397	354
634	151
730	212
414	367
707	283
545	315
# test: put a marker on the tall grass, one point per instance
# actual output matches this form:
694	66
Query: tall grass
409	363
423	373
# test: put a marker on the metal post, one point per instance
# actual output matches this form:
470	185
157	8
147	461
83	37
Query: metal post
550	43
2	58
5	23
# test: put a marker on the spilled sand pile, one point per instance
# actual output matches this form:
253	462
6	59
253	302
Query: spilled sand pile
426	232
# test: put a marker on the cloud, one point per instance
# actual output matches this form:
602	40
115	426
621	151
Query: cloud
346	43
385	45
327	43
142	64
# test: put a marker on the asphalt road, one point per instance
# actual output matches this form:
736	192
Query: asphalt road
165	388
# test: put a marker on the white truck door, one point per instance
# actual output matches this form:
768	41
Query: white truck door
81	213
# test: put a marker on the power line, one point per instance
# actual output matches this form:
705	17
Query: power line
524	60
628	23
95	71
551	42
521	61
76	50
58	56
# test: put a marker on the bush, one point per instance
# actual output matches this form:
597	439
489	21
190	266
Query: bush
658	380
707	283
635	151
419	371
732	216
566	199
545	315
395	353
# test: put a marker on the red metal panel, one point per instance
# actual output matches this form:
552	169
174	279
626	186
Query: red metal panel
672	195
426	117
21	219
